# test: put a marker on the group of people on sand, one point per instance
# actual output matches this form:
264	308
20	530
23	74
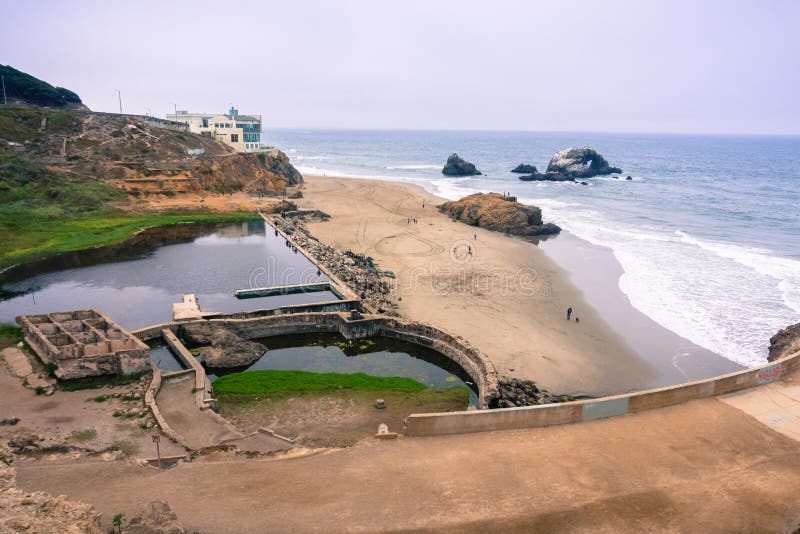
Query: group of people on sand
412	219
569	315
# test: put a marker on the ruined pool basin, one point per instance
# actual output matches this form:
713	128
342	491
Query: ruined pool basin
474	363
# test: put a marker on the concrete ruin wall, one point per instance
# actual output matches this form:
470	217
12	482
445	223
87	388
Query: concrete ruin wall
473	362
84	343
437	424
482	371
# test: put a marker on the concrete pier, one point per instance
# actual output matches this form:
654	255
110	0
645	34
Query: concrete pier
188	308
288	289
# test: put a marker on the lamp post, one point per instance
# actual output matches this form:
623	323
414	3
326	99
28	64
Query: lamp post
156	440
119	95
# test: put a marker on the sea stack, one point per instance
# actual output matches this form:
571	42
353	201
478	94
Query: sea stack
457	166
580	162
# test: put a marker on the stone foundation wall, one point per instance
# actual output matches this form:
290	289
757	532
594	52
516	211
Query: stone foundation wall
473	362
84	343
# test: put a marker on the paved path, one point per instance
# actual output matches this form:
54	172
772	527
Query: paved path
702	466
777	405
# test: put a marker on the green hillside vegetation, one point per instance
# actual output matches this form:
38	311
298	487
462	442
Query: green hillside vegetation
23	86
42	213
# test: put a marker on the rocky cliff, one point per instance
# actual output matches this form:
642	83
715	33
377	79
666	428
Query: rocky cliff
500	213
457	166
138	155
785	342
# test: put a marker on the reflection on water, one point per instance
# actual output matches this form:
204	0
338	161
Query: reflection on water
136	282
162	356
379	356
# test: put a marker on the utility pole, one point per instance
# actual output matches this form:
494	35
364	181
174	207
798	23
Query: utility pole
119	94
5	102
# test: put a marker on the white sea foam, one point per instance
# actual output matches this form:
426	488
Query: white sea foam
725	297
413	167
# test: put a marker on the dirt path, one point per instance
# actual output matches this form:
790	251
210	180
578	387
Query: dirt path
699	467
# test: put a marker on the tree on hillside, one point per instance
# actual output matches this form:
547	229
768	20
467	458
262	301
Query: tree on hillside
23	86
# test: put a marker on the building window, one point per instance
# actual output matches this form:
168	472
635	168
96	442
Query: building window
234	138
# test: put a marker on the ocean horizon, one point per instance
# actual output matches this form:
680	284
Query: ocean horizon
706	230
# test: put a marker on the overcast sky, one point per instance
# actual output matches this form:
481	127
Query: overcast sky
669	66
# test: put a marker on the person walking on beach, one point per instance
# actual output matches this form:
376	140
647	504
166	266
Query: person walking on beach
475	235
569	313
577	319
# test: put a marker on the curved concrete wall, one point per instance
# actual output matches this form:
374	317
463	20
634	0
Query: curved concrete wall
587	410
479	368
482	371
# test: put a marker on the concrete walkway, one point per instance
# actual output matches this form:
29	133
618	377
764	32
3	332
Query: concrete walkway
777	405
198	428
203	428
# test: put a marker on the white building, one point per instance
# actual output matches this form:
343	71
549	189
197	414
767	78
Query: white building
242	132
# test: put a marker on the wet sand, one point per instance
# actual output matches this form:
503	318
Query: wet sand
508	297
596	272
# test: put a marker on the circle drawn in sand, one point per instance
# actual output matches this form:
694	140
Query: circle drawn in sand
462	251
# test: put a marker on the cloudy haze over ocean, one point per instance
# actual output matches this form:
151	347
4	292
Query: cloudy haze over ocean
676	66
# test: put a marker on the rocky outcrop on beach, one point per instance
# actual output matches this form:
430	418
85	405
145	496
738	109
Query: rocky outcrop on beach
227	349
457	166
361	274
494	211
785	342
513	392
524	168
580	162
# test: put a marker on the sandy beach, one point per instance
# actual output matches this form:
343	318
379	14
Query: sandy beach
507	297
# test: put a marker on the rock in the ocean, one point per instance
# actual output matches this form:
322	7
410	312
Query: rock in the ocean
628	178
524	168
547	177
501	214
456	166
785	342
580	162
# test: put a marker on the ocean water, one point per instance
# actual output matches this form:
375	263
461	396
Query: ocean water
707	232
